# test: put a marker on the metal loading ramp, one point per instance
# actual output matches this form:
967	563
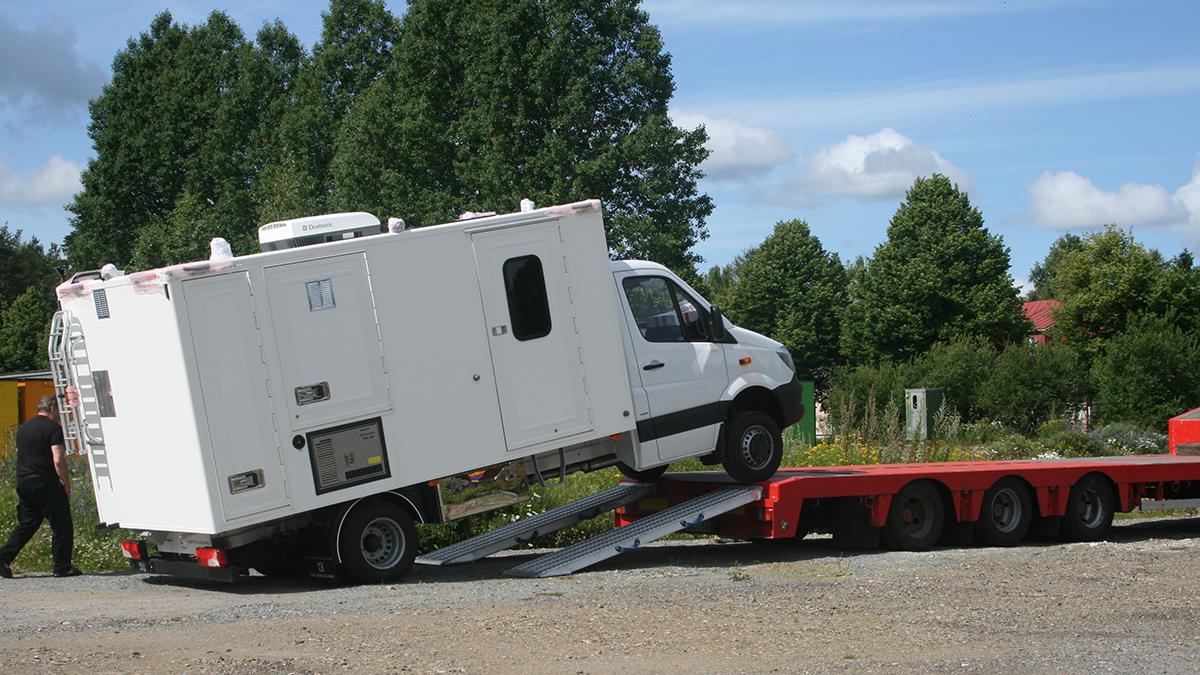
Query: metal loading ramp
643	531
523	530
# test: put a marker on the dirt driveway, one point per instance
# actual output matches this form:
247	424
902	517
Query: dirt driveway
1126	605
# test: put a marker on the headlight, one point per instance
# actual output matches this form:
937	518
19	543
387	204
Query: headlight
786	357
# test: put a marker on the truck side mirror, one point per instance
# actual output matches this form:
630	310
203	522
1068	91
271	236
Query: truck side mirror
718	324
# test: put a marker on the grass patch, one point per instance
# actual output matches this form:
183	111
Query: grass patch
95	550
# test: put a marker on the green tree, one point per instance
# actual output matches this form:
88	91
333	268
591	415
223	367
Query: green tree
940	275
1031	384
189	109
793	290
25	264
1042	274
960	368
1148	373
357	39
24	328
486	103
1111	278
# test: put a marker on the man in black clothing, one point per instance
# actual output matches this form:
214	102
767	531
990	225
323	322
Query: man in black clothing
43	490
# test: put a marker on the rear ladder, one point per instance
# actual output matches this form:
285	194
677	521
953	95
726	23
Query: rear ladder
60	372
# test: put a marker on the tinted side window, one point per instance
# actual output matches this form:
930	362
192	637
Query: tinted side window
528	306
653	309
695	319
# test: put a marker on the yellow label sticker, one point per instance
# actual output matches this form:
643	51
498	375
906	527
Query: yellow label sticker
374	460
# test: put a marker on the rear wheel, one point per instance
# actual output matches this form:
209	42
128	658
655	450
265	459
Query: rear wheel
753	447
1006	514
915	519
645	475
1090	510
377	542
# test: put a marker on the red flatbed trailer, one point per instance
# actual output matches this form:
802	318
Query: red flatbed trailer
913	506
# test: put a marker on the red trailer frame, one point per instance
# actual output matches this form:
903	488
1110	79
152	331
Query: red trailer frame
1061	493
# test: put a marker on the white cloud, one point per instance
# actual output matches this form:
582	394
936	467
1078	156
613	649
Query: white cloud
882	165
738	151
53	183
1189	196
1067	200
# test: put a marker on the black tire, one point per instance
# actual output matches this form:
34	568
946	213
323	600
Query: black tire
645	475
1006	515
1090	508
915	519
377	542
753	447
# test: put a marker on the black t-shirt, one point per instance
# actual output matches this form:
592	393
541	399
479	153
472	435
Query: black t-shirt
34	438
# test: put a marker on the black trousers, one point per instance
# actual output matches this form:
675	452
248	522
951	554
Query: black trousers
40	500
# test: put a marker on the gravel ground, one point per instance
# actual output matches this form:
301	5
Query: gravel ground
1125	605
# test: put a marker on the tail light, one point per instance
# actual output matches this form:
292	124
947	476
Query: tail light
134	550
211	557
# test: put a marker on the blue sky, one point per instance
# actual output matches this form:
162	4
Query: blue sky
1055	115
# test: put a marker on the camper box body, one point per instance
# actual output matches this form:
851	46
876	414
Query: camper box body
228	393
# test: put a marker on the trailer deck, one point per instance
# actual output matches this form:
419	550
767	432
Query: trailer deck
907	506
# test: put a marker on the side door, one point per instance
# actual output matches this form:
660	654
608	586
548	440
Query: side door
683	373
532	335
233	382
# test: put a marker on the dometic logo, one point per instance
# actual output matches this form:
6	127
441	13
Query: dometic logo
315	226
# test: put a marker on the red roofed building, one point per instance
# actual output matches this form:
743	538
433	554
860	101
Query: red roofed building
1041	314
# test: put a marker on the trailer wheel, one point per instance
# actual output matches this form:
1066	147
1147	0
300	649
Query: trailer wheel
1006	514
645	475
915	519
753	447
377	542
1089	510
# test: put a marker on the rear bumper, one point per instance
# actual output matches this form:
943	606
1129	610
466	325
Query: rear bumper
188	569
791	401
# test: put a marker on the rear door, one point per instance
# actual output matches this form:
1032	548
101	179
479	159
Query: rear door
683	373
233	380
532	335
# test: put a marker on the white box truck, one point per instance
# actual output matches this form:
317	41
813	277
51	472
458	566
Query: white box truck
310	402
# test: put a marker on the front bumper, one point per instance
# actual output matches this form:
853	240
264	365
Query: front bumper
791	401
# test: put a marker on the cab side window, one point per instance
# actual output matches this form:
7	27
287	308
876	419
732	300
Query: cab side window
664	312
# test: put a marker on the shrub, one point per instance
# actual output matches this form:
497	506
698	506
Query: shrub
860	394
1148	373
960	368
1129	439
1031	384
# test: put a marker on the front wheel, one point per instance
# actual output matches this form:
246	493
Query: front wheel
753	447
377	542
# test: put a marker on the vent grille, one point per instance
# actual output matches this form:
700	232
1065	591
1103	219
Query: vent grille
320	294
101	300
327	468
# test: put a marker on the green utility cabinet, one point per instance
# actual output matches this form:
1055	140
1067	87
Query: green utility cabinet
920	408
806	428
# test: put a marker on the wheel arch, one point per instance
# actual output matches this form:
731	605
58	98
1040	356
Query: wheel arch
756	397
395	497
